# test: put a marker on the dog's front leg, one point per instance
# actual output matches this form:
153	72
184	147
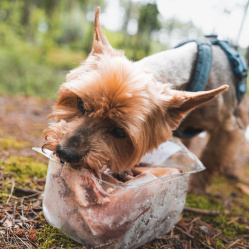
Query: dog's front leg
219	154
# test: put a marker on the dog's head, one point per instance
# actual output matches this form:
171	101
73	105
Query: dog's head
111	112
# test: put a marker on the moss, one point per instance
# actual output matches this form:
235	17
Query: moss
203	202
222	186
219	244
8	143
51	237
223	196
247	169
242	207
3	196
24	168
234	230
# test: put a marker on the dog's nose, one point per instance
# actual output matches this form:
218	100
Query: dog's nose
67	155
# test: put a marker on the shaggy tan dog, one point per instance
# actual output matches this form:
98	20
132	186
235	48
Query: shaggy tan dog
112	111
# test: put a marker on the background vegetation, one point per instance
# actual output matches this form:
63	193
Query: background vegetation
41	40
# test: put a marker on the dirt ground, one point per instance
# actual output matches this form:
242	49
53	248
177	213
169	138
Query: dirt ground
218	220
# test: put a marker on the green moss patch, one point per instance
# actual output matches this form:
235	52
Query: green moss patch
222	186
51	237
233	205
8	143
24	169
203	202
247	169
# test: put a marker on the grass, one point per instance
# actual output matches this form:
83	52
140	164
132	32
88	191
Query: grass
11	142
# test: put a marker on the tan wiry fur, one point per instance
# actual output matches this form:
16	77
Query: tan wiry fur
117	94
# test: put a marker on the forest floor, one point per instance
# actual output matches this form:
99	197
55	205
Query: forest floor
219	219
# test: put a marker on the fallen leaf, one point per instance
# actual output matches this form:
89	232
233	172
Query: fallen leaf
19	232
8	223
204	229
244	188
32	235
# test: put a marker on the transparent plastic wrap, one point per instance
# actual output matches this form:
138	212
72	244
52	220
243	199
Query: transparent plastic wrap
120	214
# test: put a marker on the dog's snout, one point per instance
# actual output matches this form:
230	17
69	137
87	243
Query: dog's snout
74	141
67	155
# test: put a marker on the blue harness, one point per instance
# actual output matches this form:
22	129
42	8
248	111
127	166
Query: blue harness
202	70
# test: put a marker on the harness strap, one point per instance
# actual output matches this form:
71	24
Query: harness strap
187	133
238	66
199	79
203	65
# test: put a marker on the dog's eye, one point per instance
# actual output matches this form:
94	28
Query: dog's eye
80	105
118	132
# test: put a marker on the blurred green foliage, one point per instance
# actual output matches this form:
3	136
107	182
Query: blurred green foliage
34	61
41	40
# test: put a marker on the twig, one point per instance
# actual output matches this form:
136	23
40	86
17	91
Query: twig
192	237
31	242
182	231
233	220
27	192
7	231
234	243
201	211
168	237
7	214
28	196
3	219
14	214
105	245
13	237
23	242
194	220
216	235
12	189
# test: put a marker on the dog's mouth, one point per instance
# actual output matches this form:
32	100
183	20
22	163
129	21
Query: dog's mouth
77	162
75	165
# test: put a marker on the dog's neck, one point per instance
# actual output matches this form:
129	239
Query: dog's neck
173	66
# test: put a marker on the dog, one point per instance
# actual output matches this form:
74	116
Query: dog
111	111
225	118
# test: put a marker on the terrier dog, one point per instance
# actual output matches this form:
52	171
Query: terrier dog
112	111
225	118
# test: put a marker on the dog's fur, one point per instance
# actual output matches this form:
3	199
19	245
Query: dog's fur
112	111
225	130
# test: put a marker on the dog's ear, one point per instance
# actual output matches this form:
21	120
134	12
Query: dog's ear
100	42
182	102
